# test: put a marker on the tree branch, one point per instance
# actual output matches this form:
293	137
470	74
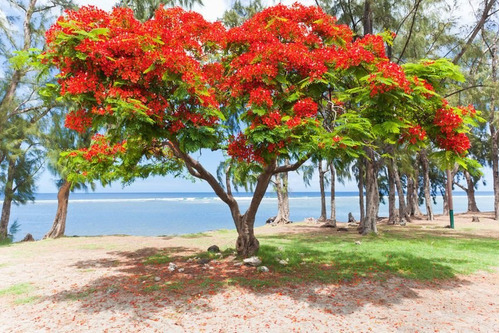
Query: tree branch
290	167
411	31
477	28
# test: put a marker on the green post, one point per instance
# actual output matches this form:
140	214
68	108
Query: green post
450	198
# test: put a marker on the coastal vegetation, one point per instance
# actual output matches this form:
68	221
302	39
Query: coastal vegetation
272	88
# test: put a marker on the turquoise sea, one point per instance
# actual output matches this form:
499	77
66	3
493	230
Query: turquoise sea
153	214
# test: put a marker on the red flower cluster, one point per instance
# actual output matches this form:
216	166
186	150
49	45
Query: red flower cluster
306	108
413	134
388	70
121	58
239	149
449	122
101	149
78	120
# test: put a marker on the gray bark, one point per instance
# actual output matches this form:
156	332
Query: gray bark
427	190
59	224
321	172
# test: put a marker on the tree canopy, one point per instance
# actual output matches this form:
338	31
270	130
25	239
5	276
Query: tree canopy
262	92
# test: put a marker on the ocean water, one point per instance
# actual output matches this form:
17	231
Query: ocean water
154	214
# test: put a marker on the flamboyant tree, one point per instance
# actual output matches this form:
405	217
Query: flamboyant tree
176	84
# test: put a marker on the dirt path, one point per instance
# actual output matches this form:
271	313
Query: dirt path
83	285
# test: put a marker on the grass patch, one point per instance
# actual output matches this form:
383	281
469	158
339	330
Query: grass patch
158	259
17	289
195	235
80	295
416	256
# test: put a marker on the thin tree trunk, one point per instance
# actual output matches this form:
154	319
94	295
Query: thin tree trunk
322	217
281	183
427	190
361	187
392	194
372	196
471	194
494	148
333	212
7	200
59	224
403	210
494	128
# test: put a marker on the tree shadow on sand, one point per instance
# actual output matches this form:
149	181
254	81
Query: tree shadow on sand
144	283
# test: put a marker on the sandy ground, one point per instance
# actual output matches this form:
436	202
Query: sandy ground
85	284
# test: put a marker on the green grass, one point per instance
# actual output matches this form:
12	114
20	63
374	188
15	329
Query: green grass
159	258
414	255
17	289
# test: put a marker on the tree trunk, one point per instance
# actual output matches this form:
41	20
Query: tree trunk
427	190
372	196
361	187
392	194
412	193
281	182
7	200
471	194
494	128
59	224
246	243
403	209
446	210
333	211
322	217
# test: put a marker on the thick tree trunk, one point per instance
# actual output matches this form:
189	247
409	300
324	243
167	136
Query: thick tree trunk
392	194
59	224
427	190
471	194
7	200
322	217
281	182
246	244
372	196
333	211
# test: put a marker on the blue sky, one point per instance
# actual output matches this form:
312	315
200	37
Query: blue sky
211	11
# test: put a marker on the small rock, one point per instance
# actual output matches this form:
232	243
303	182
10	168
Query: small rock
181	270
474	219
28	238
190	260
402	223
351	218
357	242
252	261
214	249
283	262
157	278
203	261
238	264
172	266
310	220
270	220
352	224
342	229
263	269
